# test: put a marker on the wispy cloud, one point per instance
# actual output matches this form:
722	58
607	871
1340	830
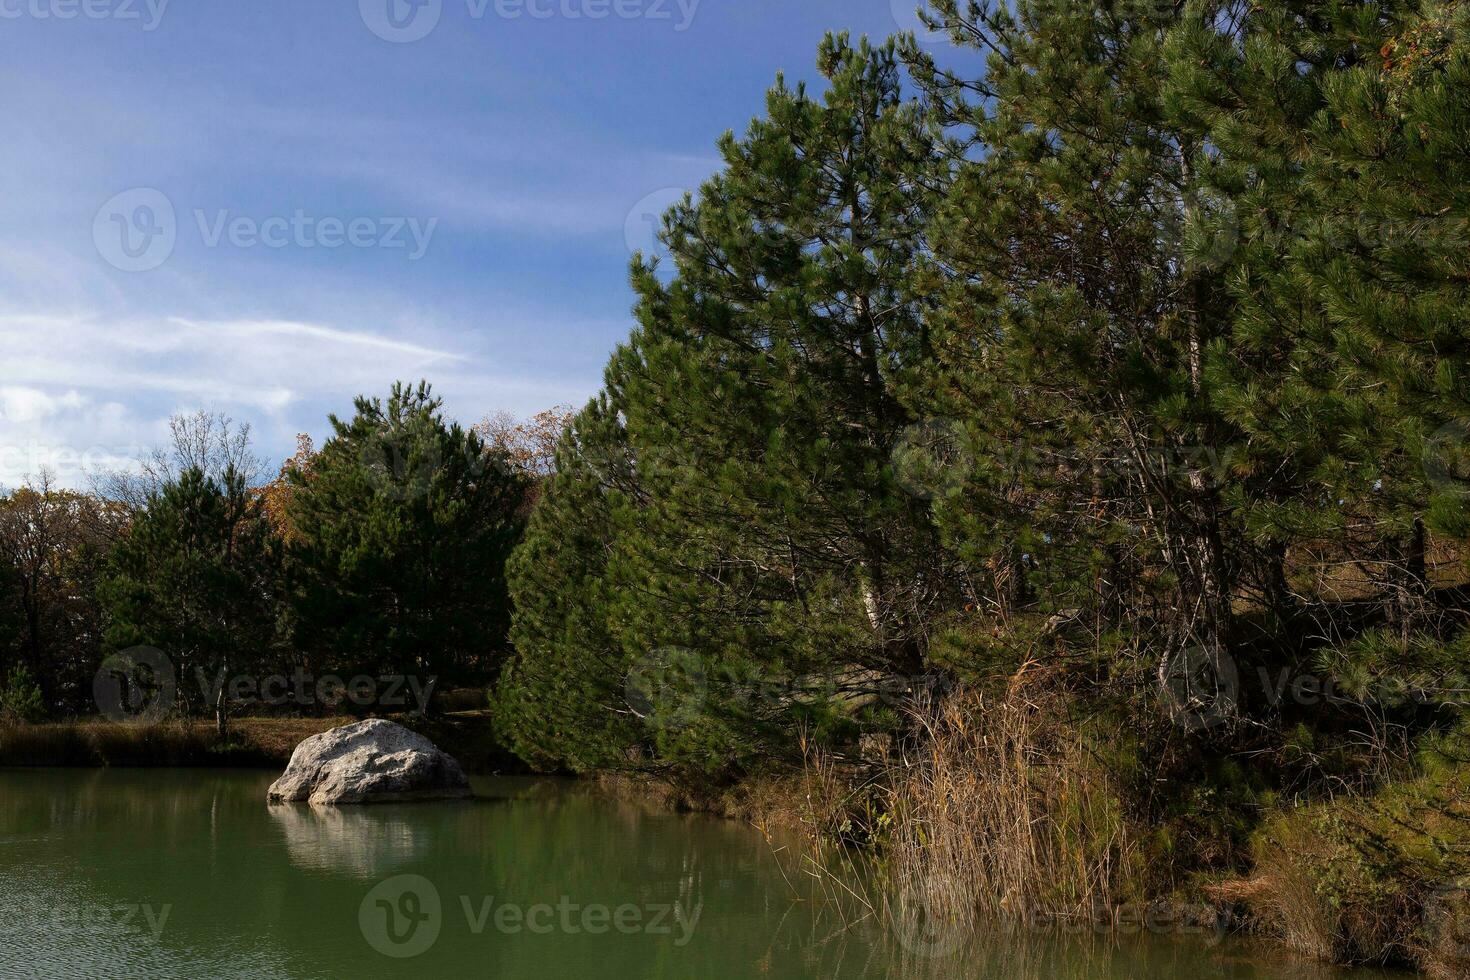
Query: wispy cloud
247	330
85	390
536	146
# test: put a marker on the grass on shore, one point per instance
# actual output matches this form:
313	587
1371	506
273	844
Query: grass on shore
253	742
265	743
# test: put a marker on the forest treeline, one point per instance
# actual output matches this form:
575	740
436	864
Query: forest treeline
1048	449
182	585
1098	383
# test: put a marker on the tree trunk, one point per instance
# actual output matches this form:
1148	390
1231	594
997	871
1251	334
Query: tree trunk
221	714
1417	562
1278	590
1409	578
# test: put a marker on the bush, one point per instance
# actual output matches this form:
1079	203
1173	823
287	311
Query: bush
1379	878
20	698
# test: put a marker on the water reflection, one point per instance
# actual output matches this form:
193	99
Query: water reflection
353	841
258	891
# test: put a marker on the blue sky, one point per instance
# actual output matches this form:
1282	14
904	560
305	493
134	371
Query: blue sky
266	207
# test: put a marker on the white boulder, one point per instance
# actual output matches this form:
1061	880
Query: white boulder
374	761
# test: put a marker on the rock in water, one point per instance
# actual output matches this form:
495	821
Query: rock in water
374	761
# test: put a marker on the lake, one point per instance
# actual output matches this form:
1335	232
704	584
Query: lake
187	873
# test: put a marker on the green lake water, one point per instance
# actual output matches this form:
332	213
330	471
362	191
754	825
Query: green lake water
187	873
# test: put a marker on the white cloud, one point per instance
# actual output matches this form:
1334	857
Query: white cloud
79	392
255	330
67	435
93	361
19	404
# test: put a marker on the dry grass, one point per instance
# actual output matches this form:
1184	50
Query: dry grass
101	743
276	738
1282	897
1304	892
1363	880
1004	813
827	800
260	742
1444	950
644	791
997	812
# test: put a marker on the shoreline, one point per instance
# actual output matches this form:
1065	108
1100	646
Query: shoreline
768	807
252	743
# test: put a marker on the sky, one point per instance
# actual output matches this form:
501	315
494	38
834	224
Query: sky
266	208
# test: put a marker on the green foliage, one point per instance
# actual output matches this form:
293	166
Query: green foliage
1070	366
1340	128
1144	339
403	524
560	699
197	576
20	697
1368	879
1135	337
728	506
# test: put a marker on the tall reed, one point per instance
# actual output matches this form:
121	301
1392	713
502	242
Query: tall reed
1002	813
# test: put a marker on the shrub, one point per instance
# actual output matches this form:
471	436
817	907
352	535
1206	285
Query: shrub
20	698
1378	878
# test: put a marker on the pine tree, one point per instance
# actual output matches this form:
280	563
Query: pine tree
766	388
402	527
562	700
1386	261
197	576
1082	271
1341	128
758	407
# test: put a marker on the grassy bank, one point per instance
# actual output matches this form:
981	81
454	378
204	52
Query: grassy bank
1016	811
264	743
1373	877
